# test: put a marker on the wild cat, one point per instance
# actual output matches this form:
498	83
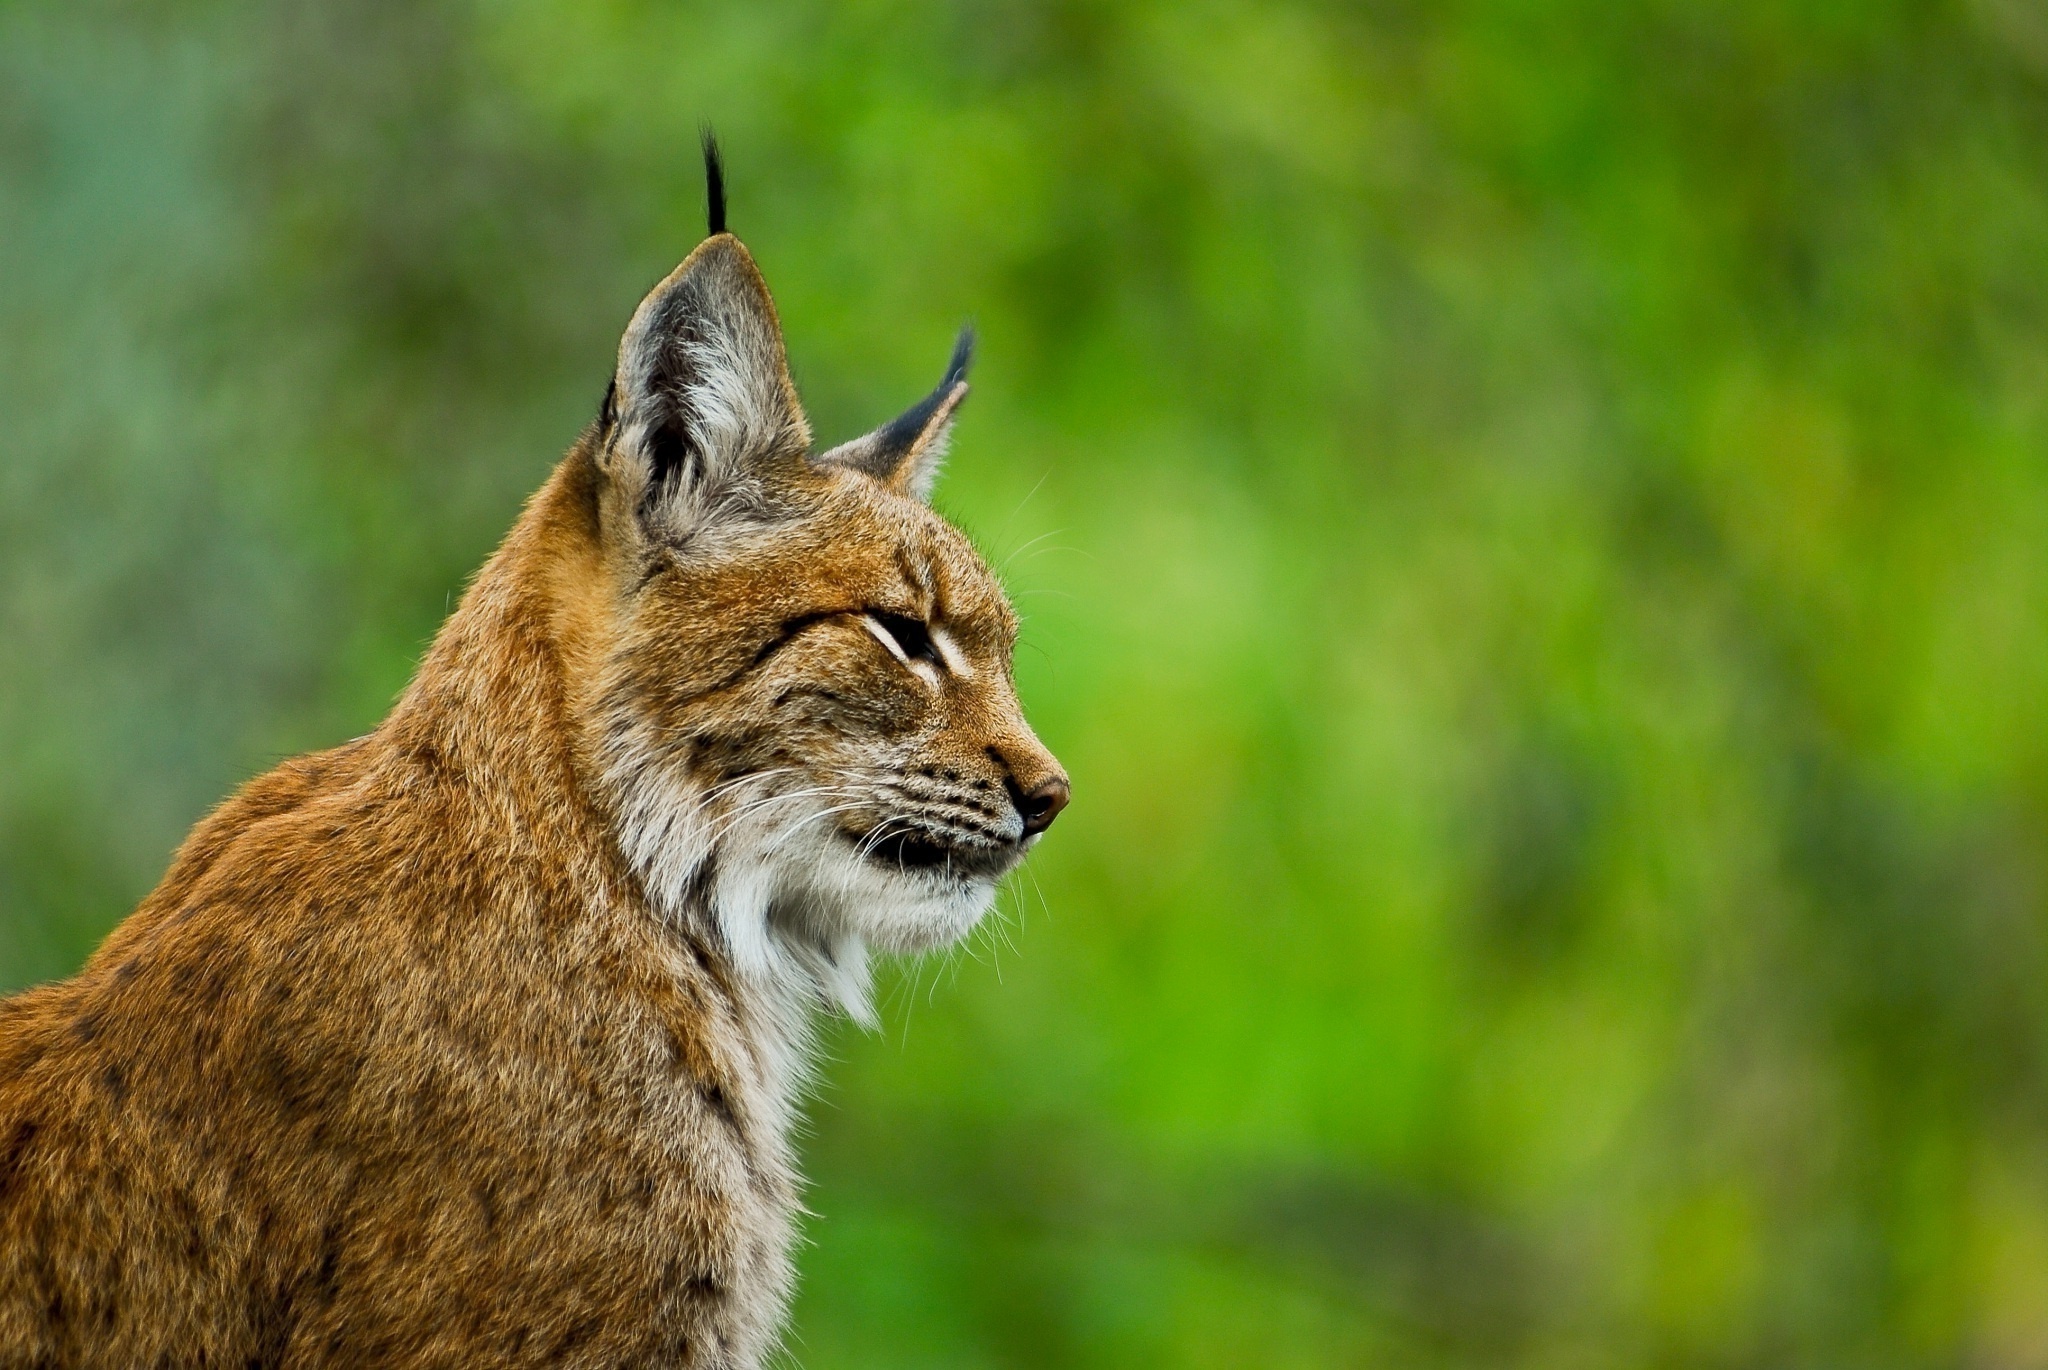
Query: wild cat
476	1041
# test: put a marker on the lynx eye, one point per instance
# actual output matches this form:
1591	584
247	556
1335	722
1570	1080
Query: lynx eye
912	640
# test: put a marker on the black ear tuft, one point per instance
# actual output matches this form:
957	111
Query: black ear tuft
901	433
714	183
906	451
963	357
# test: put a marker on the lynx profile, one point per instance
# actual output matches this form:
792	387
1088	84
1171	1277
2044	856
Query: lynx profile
475	1041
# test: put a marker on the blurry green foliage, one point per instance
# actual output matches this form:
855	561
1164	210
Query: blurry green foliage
1533	524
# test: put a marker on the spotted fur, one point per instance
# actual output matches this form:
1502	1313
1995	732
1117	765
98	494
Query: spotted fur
476	1041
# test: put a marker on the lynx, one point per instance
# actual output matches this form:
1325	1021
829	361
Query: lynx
478	1040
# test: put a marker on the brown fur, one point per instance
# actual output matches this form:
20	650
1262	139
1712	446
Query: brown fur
428	1049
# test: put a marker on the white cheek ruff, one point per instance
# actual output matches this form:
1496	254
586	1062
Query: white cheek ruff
795	904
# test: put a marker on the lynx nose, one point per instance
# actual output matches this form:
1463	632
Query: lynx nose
1043	804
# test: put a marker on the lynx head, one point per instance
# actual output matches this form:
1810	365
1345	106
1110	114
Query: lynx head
809	727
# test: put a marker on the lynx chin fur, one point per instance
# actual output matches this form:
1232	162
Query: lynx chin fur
476	1041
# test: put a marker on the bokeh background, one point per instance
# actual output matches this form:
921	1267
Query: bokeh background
1532	519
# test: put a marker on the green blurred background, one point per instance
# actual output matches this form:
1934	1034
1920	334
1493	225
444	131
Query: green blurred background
1532	520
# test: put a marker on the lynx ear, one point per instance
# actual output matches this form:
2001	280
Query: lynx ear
906	452
702	414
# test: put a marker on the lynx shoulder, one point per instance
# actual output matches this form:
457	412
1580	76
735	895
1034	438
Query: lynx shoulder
477	1040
